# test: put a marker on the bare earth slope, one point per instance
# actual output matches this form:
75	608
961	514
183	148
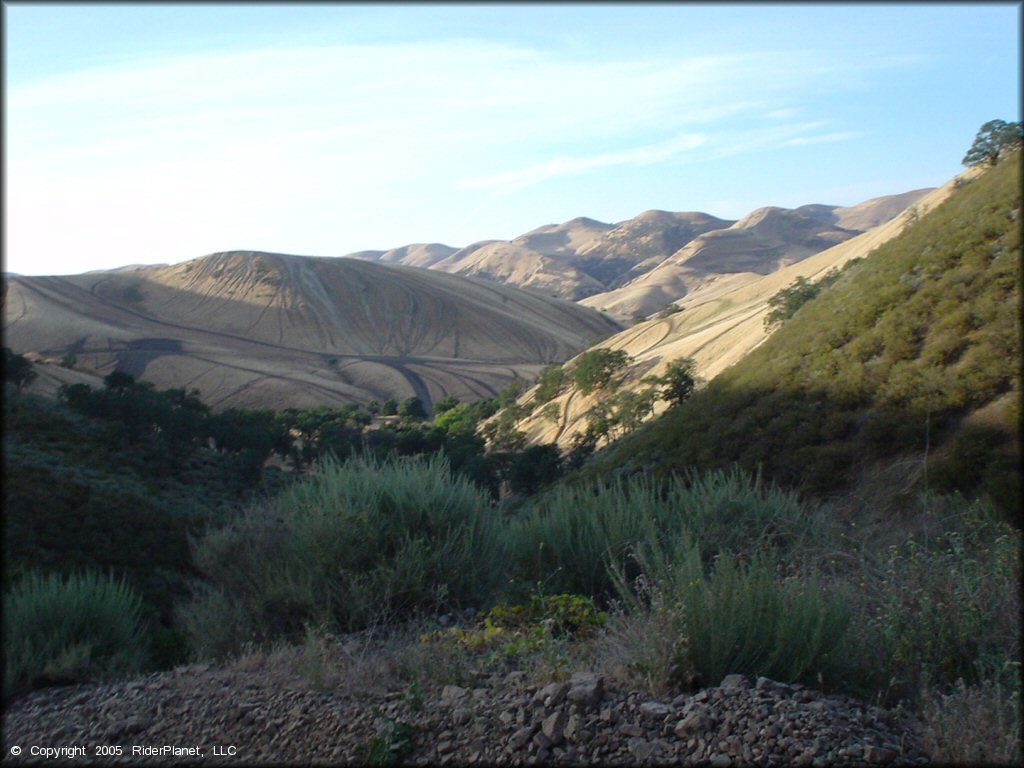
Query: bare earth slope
763	242
635	267
257	329
722	318
517	265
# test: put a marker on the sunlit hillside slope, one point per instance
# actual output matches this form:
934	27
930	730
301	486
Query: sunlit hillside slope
719	322
255	329
914	352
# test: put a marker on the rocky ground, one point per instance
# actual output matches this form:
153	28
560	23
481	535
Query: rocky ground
233	715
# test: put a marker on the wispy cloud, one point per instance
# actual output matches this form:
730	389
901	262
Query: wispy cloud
799	141
509	181
302	143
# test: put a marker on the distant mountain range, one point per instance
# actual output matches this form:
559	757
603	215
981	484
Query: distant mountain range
639	266
254	329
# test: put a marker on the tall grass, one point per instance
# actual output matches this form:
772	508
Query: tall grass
353	544
993	709
942	605
738	615
570	537
59	630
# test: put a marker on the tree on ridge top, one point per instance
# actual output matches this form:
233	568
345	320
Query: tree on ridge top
993	138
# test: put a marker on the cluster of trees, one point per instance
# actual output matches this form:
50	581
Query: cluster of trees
623	412
616	414
166	427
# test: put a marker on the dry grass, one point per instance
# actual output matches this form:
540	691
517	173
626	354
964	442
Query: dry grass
641	650
979	724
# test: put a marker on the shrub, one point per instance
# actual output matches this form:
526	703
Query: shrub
739	616
357	542
644	642
70	630
946	607
568	537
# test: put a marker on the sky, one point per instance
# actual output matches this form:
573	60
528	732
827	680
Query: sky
159	133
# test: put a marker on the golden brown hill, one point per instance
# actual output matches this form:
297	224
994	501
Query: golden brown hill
762	242
565	240
523	267
722	318
255	329
614	267
639	244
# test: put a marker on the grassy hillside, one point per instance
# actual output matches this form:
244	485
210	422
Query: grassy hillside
78	497
914	351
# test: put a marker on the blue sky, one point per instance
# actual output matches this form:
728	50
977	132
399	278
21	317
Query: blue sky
160	133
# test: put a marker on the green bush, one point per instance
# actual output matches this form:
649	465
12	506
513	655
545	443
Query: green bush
944	607
70	631
356	543
567	538
739	616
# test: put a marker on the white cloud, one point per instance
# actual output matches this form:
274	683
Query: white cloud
562	166
303	142
799	141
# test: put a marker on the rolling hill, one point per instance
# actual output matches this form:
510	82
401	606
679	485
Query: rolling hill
253	329
722	319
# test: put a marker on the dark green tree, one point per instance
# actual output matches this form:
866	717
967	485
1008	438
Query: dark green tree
118	381
458	421
17	369
549	384
532	469
389	407
595	369
994	138
510	393
678	381
784	304
445	404
412	408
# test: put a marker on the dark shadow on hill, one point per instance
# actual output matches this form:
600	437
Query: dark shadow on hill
821	446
